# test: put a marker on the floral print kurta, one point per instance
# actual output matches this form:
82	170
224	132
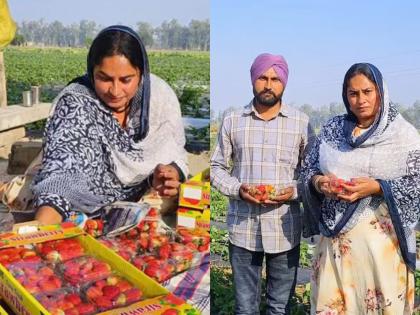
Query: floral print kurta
362	271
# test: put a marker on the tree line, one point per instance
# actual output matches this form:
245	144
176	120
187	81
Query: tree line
318	116
169	35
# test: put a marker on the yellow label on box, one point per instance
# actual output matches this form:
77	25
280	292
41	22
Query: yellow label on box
192	218
156	306
195	193
46	234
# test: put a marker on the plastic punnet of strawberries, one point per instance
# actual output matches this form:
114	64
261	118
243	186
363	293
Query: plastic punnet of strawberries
263	192
195	239
111	292
66	301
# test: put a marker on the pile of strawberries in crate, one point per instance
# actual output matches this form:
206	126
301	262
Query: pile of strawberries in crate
157	250
66	280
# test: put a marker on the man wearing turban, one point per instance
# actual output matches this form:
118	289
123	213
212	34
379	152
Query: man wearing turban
264	143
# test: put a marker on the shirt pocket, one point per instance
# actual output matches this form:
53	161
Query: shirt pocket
287	152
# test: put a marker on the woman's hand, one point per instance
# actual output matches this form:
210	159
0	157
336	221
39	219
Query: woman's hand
323	185
360	188
48	215
166	180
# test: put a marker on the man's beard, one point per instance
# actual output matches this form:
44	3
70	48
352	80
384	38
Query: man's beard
267	98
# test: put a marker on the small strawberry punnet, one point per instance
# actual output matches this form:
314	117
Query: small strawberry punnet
262	192
84	269
195	239
36	278
65	302
60	250
112	292
17	255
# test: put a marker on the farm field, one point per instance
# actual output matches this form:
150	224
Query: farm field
52	68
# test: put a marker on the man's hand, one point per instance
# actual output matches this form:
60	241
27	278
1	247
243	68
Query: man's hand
243	192
284	195
166	180
360	188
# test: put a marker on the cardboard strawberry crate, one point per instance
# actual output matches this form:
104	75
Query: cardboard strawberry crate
156	299
195	193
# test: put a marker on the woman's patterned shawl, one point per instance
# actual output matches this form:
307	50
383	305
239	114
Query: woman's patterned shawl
389	152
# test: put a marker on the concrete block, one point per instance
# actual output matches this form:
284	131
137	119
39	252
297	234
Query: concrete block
22	154
5	151
12	135
14	116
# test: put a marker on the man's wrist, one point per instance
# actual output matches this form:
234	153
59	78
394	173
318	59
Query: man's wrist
237	192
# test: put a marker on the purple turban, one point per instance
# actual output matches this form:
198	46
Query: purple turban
264	62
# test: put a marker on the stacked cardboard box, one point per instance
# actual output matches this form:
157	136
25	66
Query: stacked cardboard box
194	202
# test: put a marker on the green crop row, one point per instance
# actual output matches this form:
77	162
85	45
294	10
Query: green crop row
52	68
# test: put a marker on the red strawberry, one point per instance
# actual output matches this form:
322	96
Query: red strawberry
49	284
93	292
45	271
171	311
153	225
111	291
159	273
142	226
173	299
264	196
133	233
27	253
91	224
143	242
139	262
85	308
261	188
133	294
153	212
103	302
70	311
164	251
191	246
73	298
204	248
124	285
100	284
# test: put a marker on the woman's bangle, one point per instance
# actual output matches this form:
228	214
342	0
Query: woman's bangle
315	182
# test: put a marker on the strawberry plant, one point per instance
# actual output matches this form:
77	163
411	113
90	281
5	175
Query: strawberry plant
218	206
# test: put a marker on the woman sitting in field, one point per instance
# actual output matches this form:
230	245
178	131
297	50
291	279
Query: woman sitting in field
112	134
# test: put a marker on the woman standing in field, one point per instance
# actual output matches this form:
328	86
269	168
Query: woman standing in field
362	192
112	134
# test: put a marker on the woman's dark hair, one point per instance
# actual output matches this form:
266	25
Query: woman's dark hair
112	43
368	70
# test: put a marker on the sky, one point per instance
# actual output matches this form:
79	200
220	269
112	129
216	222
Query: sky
108	12
320	41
